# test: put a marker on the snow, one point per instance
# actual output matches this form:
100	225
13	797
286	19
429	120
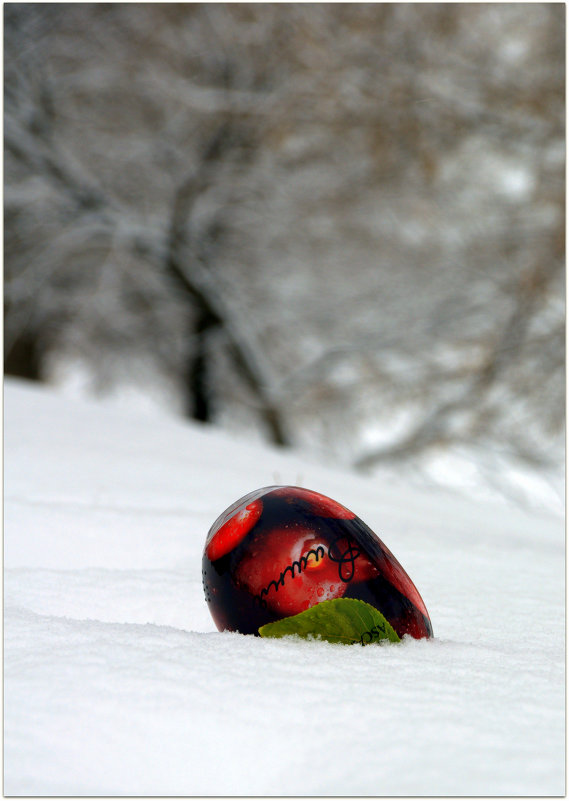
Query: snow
117	683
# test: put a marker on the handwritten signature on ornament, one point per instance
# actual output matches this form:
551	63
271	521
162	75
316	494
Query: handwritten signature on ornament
345	560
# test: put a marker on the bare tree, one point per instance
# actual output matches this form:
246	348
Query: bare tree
341	223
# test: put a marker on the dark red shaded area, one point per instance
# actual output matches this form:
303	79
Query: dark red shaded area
401	581
314	502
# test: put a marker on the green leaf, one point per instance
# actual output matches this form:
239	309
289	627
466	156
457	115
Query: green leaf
344	620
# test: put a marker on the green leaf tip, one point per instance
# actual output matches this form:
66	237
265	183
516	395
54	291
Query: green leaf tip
343	620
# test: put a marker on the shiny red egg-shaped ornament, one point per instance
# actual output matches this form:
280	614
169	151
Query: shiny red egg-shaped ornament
281	550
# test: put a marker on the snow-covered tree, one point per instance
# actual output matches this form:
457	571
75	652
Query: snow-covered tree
342	223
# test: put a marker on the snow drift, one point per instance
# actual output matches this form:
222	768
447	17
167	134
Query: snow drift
116	681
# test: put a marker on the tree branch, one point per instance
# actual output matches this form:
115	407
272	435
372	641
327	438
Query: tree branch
186	263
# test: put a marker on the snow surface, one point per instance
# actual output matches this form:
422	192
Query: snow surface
116	681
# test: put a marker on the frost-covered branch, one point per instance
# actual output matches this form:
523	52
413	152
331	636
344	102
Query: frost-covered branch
187	263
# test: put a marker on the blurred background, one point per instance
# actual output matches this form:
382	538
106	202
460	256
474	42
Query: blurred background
333	227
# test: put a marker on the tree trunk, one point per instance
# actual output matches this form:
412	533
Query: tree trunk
22	359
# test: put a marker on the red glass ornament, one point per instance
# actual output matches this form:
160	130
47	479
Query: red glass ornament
280	550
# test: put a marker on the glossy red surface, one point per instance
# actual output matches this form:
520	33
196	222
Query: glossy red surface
280	550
